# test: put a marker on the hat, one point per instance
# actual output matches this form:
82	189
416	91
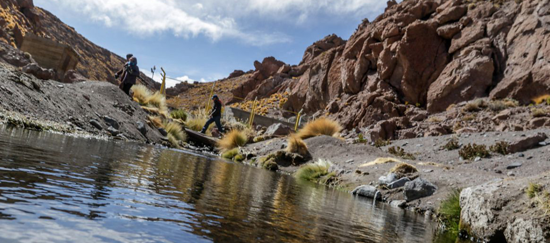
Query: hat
128	56
215	97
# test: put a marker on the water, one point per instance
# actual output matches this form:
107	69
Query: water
62	189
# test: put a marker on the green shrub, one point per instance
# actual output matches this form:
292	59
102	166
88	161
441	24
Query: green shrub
400	152
533	189
452	144
471	151
315	172
381	143
449	212
179	114
230	154
500	147
361	138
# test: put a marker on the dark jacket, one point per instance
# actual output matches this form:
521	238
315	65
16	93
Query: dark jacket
130	74
217	109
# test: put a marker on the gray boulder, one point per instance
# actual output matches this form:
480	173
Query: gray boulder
367	191
387	179
399	183
418	188
277	129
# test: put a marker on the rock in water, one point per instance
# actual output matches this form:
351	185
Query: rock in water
367	191
418	188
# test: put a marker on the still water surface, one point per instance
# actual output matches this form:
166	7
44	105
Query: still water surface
56	188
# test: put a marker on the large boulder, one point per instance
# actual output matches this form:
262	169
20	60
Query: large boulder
277	129
526	143
422	55
367	191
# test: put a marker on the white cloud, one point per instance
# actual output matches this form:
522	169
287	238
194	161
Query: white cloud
216	19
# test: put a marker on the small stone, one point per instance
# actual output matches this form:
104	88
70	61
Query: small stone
350	161
163	132
428	171
521	155
398	203
418	188
367	191
543	144
514	165
141	128
60	86
405	144
530	157
498	171
511	173
113	131
112	122
477	159
96	124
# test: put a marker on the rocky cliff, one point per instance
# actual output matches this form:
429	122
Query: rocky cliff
19	17
425	53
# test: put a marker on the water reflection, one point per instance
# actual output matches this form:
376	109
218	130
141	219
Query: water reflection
56	188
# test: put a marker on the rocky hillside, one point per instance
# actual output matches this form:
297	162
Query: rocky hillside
19	17
418	56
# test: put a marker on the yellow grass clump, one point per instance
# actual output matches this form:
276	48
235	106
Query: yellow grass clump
297	145
141	94
541	99
321	126
174	129
381	161
232	139
155	121
403	168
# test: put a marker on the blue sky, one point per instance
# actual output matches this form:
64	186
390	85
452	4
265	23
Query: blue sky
206	40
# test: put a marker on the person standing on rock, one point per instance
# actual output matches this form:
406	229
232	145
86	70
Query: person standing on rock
121	72
215	115
131	73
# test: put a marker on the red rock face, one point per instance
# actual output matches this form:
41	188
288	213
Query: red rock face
430	53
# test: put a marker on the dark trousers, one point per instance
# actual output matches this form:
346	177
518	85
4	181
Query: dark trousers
126	88
217	120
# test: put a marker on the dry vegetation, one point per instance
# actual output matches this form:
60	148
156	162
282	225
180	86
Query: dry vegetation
198	96
472	151
400	152
403	168
232	139
321	126
263	106
297	145
539	197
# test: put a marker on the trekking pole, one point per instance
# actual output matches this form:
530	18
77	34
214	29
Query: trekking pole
211	94
163	85
251	119
298	120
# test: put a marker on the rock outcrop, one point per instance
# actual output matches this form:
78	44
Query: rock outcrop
425	53
19	17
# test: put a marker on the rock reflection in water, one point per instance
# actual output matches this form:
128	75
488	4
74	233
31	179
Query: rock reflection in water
58	188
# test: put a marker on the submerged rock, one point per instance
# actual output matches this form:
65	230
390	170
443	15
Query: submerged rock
367	191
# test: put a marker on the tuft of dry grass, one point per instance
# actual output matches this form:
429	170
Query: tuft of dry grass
469	117
232	139
533	189
316	172
380	161
435	119
141	94
475	105
155	121
403	168
539	112
230	154
297	145
174	129
179	114
321	126
541	99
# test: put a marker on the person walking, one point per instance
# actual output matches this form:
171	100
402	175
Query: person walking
215	115
130	74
